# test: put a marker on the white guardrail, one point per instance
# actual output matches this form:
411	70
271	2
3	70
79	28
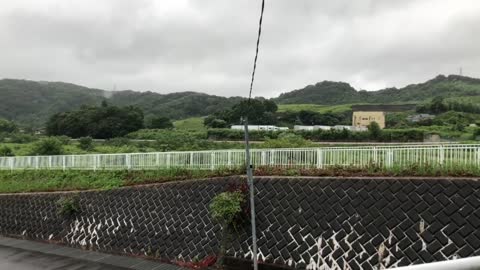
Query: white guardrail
467	155
470	263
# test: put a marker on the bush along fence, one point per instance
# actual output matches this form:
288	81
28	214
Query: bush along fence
466	156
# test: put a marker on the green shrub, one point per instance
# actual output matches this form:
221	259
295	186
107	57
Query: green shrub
6	151
476	134
65	140
160	122
374	130
67	206
7	126
225	209
118	142
85	143
48	146
226	206
287	140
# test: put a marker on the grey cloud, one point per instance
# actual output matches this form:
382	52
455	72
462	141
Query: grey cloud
179	45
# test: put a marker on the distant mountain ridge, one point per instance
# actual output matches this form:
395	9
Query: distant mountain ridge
328	92
32	102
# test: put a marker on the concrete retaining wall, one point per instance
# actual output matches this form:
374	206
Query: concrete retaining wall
334	223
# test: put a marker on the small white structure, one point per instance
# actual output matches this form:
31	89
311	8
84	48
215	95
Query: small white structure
351	128
259	127
311	128
322	127
298	127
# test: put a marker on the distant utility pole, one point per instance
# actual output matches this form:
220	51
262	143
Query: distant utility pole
461	71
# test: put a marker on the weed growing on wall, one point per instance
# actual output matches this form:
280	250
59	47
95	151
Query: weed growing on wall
68	206
227	208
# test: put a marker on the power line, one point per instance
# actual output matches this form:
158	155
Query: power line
256	52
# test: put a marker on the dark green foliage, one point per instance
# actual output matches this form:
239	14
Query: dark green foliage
160	122
463	107
225	208
7	126
437	106
16	137
47	146
213	122
55	97
45	180
386	135
6	151
97	122
68	206
329	93
374	130
476	134
85	143
327	119
259	112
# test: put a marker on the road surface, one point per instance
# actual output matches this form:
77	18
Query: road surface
19	259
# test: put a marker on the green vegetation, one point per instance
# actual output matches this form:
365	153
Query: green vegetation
98	122
47	146
159	122
85	143
385	135
6	151
315	108
226	208
55	97
67	206
331	93
192	123
31	180
259	112
7	126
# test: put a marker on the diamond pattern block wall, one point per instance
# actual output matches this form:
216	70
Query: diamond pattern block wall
312	223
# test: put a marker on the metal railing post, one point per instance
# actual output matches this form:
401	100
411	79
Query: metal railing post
64	166
229	158
319	158
389	158
212	160
128	161
94	162
441	154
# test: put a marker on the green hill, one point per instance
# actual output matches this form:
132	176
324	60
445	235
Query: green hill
31	103
331	93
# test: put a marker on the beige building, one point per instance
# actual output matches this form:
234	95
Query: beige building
364	118
363	115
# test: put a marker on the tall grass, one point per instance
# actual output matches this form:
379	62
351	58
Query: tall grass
43	180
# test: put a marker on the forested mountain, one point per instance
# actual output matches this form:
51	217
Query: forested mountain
31	103
328	92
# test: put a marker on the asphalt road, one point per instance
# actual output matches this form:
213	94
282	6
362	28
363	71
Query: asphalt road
18	259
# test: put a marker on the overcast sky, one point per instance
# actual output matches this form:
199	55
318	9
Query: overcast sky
208	45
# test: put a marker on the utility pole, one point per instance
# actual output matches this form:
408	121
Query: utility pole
251	187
